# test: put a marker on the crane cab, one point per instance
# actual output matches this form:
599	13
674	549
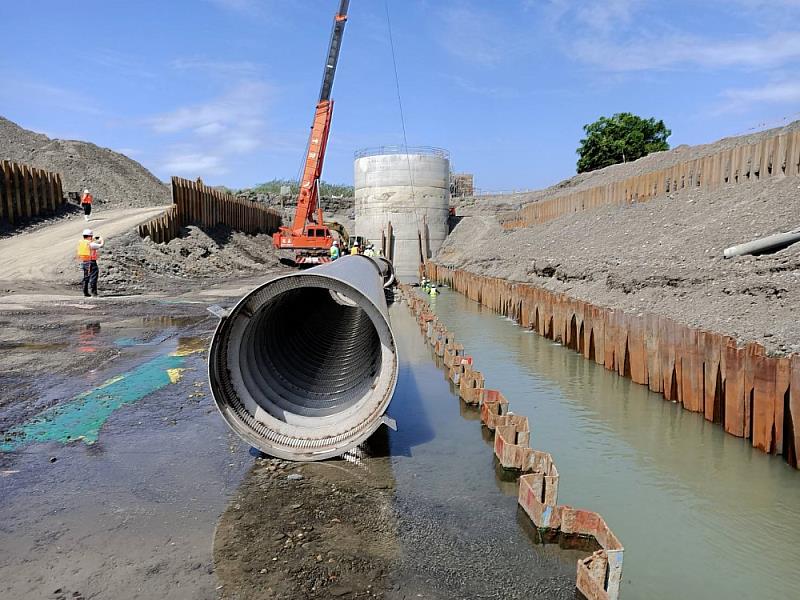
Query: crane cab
321	234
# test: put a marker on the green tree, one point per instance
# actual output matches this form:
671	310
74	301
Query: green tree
273	187
621	138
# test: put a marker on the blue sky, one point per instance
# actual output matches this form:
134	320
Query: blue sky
225	89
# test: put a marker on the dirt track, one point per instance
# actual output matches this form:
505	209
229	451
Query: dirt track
47	253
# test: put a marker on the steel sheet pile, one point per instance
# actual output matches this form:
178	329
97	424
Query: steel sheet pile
750	394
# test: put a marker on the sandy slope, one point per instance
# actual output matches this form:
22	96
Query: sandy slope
47	253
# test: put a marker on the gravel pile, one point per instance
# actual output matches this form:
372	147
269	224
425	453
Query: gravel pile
112	177
663	257
130	263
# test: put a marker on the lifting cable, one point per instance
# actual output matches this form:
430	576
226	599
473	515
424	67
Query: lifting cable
402	117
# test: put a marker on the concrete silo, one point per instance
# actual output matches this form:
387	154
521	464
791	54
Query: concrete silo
409	188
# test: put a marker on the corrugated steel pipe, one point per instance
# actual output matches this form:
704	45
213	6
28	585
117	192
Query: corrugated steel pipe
305	365
387	270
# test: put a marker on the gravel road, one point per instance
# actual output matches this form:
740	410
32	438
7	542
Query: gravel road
48	253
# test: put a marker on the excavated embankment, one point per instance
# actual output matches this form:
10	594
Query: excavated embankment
643	288
662	257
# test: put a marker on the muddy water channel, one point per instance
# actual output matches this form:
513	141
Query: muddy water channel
701	515
459	529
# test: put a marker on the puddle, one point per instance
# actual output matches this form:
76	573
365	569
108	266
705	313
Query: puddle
83	417
33	346
131	508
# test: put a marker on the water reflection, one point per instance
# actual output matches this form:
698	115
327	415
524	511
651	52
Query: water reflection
701	514
457	509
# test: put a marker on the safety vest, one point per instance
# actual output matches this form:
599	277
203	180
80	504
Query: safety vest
87	199
85	251
334	252
354	250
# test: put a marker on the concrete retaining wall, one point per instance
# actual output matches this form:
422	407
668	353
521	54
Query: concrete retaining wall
27	192
776	156
750	394
598	575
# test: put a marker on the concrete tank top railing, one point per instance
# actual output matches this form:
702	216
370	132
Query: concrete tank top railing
27	192
751	395
598	575
198	204
775	156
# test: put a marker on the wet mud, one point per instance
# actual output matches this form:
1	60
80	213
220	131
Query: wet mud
324	530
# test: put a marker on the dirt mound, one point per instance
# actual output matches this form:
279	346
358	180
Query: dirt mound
112	177
131	264
662	256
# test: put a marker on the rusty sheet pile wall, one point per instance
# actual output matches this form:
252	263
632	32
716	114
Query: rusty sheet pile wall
27	192
598	575
776	156
198	204
752	395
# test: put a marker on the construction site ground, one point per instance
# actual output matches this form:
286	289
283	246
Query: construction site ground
120	480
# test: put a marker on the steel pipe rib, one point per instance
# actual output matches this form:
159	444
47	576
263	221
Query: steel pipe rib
305	365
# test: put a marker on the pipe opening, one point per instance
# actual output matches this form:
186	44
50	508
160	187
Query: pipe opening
307	352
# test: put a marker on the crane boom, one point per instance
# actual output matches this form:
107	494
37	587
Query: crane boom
299	235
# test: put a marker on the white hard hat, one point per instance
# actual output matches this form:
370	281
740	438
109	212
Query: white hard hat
335	243
86	191
87	232
355	243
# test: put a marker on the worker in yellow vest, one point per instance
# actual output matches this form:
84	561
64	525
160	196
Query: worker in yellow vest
86	204
354	249
87	255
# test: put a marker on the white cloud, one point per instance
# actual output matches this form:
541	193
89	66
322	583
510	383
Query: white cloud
787	91
476	88
600	16
206	138
192	164
689	51
226	68
477	37
776	92
244	104
247	7
213	128
47	95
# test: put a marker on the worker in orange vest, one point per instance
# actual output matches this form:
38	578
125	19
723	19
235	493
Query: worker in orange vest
87	255
86	203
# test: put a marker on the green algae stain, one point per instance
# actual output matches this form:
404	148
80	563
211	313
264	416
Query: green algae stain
84	416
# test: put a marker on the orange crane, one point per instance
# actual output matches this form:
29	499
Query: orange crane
308	234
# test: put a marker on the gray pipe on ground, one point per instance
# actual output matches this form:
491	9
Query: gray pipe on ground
766	244
305	365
